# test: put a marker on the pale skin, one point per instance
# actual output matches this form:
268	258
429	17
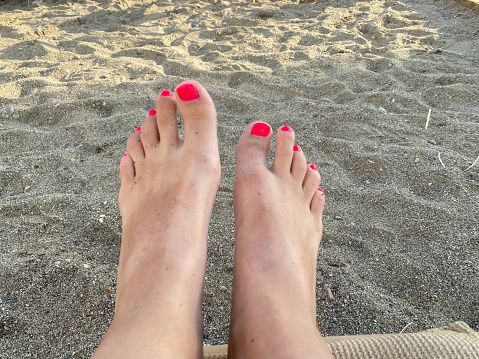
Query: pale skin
168	185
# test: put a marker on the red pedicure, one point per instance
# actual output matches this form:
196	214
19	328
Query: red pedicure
260	129
286	128
320	189
313	167
166	93
138	129
296	148
125	154
152	112
187	92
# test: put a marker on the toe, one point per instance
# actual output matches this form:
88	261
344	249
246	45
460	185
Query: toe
317	203
134	147
253	147
311	182
149	132
127	169
198	114
284	151
166	118
299	165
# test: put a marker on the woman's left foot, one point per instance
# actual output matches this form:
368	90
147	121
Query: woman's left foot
168	185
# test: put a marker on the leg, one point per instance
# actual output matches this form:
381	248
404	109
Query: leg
168	185
278	214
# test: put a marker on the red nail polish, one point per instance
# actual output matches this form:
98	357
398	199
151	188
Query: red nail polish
320	189
296	148
313	167
125	154
152	112
187	92
138	129
286	128
260	129
166	93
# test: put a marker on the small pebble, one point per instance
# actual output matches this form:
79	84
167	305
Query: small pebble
327	288
223	288
338	218
229	31
8	111
473	175
96	228
368	182
432	142
104	76
447	95
86	266
361	188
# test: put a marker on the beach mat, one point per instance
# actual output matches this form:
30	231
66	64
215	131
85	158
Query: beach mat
456	340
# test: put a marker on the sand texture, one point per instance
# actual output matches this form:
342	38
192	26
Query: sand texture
355	79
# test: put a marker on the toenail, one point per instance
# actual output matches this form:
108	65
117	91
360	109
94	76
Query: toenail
125	154
187	92
286	128
320	189
138	129
152	112
313	167
296	148
260	129
166	93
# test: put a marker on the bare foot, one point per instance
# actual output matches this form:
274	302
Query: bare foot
168	185
278	213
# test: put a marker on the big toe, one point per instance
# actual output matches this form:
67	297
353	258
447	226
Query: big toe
253	147
199	117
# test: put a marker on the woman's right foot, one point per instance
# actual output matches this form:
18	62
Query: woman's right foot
168	186
278	214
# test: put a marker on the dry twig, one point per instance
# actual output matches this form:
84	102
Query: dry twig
477	159
442	163
428	118
405	327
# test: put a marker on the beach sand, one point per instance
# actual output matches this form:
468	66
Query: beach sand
355	79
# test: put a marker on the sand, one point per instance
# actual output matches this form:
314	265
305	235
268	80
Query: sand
355	79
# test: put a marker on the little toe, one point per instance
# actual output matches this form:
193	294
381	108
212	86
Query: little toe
149	132
134	147
253	146
317	203
299	165
311	182
166	118
284	151
198	114
127	169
